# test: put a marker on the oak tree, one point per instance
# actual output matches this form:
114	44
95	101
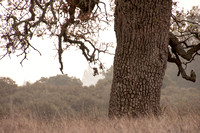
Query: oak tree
145	42
72	22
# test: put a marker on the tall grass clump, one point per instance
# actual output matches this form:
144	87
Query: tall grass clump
171	121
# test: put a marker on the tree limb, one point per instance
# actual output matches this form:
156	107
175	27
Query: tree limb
177	61
176	45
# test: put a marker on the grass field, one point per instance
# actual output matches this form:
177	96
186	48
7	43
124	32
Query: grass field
172	121
73	108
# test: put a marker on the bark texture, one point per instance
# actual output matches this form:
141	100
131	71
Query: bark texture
142	29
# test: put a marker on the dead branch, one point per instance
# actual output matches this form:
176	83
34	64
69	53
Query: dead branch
177	46
53	17
178	62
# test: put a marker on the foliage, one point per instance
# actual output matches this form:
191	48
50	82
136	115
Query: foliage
7	86
53	97
62	96
60	80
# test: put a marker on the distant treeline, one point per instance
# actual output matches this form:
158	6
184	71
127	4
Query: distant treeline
62	95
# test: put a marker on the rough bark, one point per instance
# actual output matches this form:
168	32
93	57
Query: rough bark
142	29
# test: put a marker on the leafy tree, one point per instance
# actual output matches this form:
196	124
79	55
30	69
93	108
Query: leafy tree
145	42
60	80
106	82
167	81
7	86
103	86
89	79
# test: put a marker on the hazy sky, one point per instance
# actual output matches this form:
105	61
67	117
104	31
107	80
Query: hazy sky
47	65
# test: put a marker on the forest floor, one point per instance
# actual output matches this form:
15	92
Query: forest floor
170	122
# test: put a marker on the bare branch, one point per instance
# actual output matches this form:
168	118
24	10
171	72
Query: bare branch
177	61
176	45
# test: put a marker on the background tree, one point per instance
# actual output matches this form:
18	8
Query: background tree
60	80
7	86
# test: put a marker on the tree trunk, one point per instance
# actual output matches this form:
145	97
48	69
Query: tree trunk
142	29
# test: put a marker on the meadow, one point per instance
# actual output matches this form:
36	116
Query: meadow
61	104
170	122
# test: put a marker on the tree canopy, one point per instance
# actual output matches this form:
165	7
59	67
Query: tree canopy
60	80
78	22
48	99
73	23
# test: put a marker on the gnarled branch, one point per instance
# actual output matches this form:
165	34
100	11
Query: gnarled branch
177	46
178	62
178	50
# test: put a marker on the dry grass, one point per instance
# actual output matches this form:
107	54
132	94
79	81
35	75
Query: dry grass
170	122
